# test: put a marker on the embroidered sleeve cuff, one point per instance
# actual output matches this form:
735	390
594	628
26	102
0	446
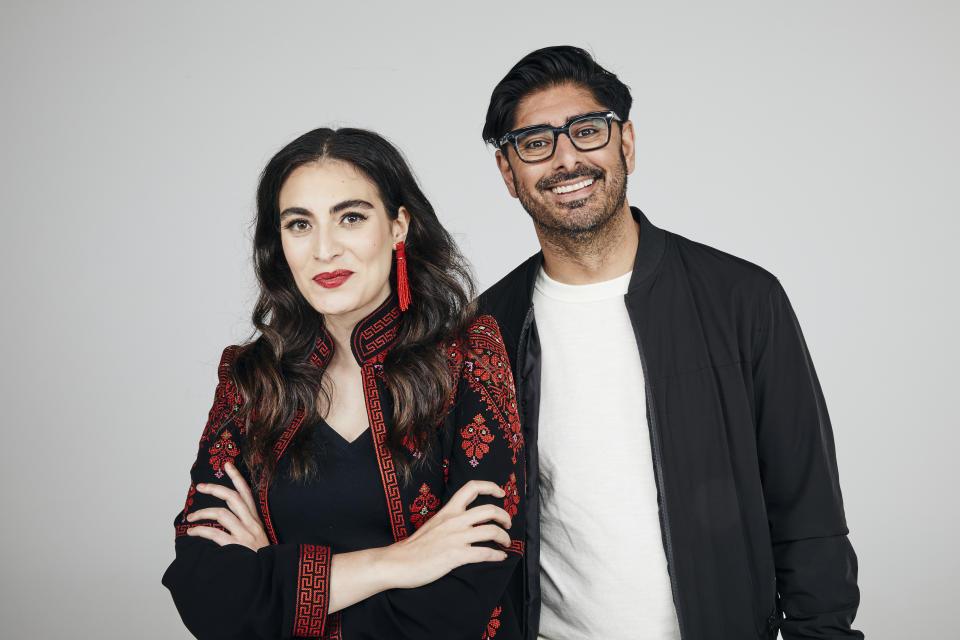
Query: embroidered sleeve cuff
313	591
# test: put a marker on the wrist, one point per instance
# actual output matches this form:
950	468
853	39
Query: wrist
391	565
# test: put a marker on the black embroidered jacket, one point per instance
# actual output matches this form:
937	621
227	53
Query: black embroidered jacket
282	590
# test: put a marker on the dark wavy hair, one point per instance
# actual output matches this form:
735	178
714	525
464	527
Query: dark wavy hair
274	372
551	67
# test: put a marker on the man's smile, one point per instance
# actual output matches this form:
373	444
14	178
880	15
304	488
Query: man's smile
567	188
574	191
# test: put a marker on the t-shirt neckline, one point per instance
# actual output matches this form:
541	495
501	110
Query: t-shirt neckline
550	288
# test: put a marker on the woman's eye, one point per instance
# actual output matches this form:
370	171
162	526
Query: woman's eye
353	218
297	225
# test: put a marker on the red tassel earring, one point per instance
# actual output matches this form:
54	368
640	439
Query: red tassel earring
403	285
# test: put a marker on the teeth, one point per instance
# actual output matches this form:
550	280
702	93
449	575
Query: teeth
573	187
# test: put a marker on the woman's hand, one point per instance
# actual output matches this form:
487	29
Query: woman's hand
240	519
447	539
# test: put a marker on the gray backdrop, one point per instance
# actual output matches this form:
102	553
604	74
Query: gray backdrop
818	139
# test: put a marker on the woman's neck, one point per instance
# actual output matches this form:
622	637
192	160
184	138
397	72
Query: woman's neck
341	326
340	330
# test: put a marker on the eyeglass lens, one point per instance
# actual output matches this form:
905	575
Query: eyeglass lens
585	133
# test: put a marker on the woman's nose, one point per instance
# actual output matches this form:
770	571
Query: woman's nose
326	245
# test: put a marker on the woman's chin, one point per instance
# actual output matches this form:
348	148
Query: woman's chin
343	305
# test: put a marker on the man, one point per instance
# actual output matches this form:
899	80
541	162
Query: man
680	456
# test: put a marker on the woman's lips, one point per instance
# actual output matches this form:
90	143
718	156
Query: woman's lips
332	279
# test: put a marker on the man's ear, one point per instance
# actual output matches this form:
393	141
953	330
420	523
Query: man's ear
401	225
506	172
628	145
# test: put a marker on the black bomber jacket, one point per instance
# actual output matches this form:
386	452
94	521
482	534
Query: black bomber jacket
750	508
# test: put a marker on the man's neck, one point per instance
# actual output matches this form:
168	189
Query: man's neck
603	254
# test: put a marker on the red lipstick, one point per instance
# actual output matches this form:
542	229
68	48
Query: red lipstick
332	279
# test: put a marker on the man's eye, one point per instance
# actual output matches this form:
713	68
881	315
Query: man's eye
587	132
534	144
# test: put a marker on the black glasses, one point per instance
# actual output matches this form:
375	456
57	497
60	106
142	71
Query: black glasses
587	132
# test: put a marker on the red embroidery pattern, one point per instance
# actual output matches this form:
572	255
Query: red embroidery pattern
489	375
189	503
476	439
322	350
414	446
517	546
226	403
227	399
509	424
333	630
493	625
223	451
423	507
182	528
446	471
388	473
455	356
312	591
512	499
493	368
278	448
379	332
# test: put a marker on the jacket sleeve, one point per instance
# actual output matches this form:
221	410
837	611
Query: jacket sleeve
232	591
816	567
481	439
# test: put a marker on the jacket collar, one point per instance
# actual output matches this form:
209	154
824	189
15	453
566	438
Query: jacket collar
509	299
371	339
650	249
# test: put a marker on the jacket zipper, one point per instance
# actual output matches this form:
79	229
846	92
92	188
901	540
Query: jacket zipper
521	352
658	475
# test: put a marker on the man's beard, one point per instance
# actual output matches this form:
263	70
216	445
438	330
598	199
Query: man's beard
576	221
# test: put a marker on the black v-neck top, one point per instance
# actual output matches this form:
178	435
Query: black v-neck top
342	505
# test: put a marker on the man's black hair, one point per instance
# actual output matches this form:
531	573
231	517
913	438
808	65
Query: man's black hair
551	67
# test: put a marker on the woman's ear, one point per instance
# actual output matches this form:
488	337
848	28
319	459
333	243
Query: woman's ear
401	225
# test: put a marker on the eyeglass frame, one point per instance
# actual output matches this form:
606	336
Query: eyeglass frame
511	136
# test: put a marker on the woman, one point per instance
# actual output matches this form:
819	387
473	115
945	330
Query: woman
361	470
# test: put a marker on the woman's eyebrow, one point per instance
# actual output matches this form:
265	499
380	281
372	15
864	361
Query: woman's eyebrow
350	204
295	211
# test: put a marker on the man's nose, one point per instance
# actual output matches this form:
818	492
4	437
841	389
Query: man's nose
565	156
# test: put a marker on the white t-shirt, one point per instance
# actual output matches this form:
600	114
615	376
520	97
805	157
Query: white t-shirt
603	570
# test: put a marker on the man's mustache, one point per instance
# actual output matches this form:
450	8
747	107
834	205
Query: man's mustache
551	181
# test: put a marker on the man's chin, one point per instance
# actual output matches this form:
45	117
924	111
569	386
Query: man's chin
568	225
568	218
575	204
